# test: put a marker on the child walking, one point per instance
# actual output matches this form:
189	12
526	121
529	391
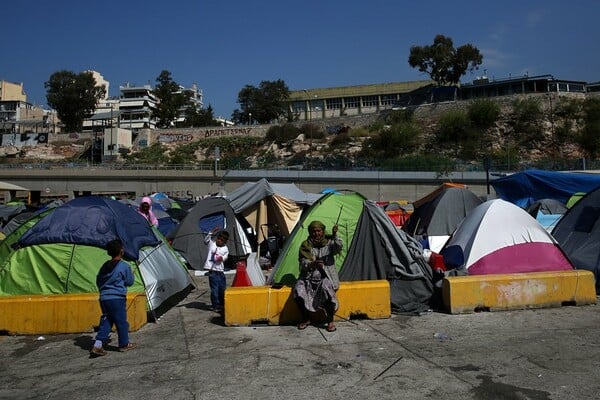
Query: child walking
218	252
112	280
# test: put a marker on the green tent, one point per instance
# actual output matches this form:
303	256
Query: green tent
575	197
60	251
347	207
374	249
57	268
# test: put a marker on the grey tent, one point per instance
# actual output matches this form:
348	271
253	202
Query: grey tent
547	206
578	234
436	219
7	211
547	212
379	250
206	215
15	222
264	203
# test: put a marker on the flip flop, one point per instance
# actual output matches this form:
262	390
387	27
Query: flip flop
331	328
303	325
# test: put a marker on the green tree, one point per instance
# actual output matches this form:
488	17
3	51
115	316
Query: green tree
262	104
195	117
172	100
73	96
444	63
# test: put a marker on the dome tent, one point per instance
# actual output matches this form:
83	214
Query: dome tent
61	253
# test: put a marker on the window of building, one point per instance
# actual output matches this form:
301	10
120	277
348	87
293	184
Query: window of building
562	87
388	99
334	104
298	106
316	104
352	102
370	101
576	87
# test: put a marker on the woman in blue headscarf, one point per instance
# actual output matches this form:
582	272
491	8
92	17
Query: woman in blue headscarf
315	289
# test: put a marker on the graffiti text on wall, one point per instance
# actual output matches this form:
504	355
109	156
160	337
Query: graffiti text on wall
227	132
169	138
188	137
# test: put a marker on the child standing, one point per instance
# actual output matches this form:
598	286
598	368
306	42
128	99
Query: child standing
218	252
112	280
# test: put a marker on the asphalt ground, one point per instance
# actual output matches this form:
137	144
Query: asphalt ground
190	354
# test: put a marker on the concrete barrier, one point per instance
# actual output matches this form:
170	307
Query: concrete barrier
275	306
467	294
67	313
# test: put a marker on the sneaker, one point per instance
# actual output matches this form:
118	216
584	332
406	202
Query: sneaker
98	352
129	346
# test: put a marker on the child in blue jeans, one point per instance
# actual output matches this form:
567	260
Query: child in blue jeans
218	252
112	280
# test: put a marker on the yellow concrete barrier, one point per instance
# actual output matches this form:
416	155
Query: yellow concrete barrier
466	294
275	306
68	313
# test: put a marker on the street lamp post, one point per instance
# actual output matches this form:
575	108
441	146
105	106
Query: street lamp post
111	133
249	118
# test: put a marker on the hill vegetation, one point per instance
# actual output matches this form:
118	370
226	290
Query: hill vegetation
523	131
526	132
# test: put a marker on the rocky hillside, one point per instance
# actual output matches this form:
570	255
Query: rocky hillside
315	145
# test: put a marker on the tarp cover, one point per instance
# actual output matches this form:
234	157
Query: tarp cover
93	221
251	192
526	187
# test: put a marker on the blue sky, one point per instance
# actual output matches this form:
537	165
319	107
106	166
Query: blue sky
224	45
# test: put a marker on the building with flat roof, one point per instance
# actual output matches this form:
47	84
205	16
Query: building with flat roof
309	104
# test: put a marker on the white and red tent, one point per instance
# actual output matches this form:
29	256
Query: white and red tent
498	237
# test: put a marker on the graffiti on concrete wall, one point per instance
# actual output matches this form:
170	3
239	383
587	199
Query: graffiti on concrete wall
171	137
23	139
227	132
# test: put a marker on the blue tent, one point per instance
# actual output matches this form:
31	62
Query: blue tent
526	187
93	221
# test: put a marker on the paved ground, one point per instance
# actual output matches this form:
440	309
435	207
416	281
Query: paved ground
190	354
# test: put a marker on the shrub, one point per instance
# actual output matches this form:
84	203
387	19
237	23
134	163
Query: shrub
453	127
527	117
282	133
341	139
399	117
483	113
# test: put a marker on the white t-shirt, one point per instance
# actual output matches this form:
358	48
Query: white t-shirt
211	264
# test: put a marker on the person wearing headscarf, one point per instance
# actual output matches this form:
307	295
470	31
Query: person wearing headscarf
315	289
145	210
